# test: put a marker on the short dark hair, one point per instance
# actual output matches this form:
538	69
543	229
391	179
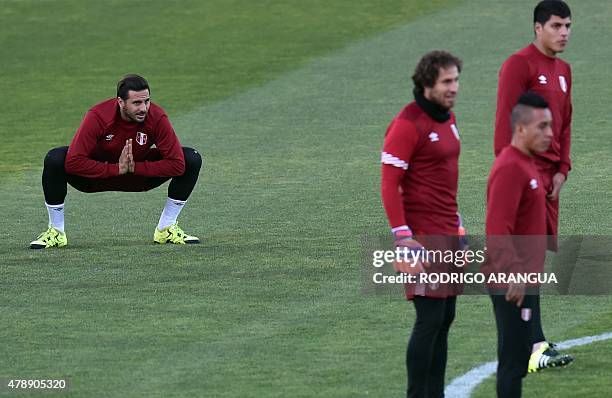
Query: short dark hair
522	111
428	68
131	82
547	8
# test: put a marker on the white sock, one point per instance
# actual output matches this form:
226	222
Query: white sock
171	212
56	216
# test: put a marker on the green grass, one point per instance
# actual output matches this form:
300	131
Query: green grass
288	102
586	377
60	57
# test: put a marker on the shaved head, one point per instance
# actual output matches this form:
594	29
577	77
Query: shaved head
523	111
531	124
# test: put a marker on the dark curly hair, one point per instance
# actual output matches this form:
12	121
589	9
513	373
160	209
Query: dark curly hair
426	72
131	82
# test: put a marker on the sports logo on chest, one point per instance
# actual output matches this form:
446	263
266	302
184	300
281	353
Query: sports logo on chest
443	143
444	134
542	79
141	138
533	183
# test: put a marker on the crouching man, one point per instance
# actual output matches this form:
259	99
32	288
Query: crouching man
123	144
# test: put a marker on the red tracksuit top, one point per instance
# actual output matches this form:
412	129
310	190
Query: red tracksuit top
95	149
421	156
516	215
531	70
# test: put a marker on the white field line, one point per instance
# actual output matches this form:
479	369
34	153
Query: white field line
462	386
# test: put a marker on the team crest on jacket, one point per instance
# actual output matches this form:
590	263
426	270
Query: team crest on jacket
533	183
563	83
141	138
433	136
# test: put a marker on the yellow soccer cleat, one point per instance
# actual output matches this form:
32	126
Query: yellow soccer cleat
173	234
50	238
547	357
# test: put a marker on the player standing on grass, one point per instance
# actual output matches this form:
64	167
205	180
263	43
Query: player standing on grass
537	68
516	237
113	151
419	192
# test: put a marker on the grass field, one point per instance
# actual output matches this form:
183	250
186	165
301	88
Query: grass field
288	102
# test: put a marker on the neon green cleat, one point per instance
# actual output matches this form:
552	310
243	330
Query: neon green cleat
173	234
547	357
50	238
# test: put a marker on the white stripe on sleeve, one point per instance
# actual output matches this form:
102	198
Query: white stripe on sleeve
387	158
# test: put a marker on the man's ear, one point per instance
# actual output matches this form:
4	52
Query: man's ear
537	28
120	102
520	130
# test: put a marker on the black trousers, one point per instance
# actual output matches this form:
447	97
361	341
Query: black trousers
428	346
537	334
55	178
514	341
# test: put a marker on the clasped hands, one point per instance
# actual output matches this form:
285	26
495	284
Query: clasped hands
126	160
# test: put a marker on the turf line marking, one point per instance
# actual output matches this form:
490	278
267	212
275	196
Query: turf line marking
462	386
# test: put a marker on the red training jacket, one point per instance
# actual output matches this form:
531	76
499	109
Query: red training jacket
419	173
516	215
531	70
95	149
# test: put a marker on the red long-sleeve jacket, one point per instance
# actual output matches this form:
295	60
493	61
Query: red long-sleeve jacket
516	215
531	70
420	172
95	149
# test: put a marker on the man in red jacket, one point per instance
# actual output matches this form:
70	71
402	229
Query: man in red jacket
123	144
537	68
516	237
419	192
